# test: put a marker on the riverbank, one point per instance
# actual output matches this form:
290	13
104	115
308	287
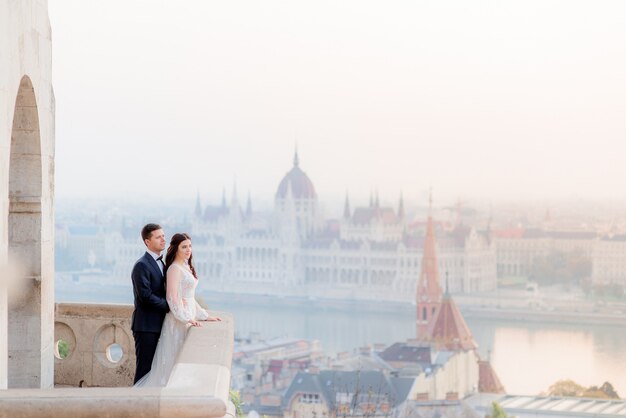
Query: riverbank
400	308
552	317
504	310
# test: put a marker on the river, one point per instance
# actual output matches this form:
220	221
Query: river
528	357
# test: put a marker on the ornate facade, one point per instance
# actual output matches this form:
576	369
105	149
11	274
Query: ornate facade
371	252
609	261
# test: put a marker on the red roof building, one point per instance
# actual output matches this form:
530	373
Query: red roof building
488	381
449	330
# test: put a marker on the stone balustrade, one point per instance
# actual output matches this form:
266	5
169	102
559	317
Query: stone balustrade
94	371
100	345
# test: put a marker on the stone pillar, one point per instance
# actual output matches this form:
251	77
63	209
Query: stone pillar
5	135
25	229
26	196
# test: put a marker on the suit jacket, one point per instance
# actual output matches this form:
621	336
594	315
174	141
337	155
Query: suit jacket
149	291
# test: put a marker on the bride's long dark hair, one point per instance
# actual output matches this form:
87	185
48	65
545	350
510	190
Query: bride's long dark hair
173	249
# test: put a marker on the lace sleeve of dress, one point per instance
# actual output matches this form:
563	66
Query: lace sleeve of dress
201	314
174	277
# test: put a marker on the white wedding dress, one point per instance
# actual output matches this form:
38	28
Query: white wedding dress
180	295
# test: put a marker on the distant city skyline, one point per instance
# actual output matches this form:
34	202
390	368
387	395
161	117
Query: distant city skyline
496	101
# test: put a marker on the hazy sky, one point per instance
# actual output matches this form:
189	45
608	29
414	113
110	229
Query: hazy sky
494	99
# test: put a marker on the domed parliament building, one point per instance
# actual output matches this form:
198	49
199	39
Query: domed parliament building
372	252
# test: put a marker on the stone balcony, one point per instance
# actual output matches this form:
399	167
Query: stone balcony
95	363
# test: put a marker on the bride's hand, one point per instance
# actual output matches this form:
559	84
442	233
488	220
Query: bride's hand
213	318
194	323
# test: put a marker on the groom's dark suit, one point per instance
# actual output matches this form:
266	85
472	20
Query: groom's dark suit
150	310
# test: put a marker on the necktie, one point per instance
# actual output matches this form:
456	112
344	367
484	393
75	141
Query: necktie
161	264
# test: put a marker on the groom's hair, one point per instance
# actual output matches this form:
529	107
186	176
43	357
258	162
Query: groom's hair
147	231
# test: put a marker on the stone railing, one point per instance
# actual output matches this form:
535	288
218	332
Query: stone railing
95	350
97	344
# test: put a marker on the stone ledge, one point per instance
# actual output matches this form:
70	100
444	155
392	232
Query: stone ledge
110	402
93	310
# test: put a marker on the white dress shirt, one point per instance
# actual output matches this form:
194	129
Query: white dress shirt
160	262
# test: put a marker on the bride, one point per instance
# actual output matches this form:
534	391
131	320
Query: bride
181	281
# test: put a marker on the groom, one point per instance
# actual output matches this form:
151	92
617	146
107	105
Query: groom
150	303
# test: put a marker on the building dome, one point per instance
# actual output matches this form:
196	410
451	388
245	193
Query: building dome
301	185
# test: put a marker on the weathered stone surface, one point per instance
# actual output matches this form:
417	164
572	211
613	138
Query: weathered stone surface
26	182
198	386
109	402
95	327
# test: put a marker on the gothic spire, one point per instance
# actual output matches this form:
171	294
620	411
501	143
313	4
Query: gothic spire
346	208
428	296
430	202
401	207
234	201
296	159
429	277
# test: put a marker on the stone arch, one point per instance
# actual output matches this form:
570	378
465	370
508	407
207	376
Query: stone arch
24	242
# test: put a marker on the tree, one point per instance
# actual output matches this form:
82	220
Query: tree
498	412
566	388
561	267
606	391
571	388
609	390
594	392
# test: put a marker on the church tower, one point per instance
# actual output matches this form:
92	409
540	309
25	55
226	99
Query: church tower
429	294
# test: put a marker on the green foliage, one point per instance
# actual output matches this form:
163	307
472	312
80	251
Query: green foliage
498	412
235	398
606	391
566	387
63	348
571	388
609	390
561	267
